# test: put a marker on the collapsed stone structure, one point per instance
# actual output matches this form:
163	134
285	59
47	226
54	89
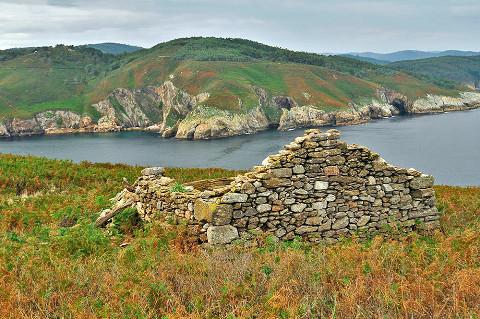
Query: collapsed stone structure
317	187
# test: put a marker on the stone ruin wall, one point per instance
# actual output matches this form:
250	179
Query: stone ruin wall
317	187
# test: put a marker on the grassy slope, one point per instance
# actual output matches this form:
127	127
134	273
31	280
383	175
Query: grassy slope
229	68
75	78
50	271
49	78
457	69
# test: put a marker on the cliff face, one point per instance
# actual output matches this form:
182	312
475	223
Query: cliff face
435	103
199	125
173	112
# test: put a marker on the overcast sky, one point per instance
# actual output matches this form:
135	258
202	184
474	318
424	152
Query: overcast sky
308	25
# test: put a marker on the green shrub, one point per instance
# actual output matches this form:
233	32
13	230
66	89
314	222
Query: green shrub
178	188
126	221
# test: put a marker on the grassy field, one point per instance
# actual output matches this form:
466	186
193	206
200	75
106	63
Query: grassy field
49	269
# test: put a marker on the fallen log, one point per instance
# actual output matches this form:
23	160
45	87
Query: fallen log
127	200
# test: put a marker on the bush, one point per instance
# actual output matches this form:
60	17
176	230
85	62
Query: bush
178	188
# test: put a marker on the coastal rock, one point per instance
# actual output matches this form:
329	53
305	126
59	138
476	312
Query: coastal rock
303	116
22	127
434	103
58	119
378	110
4	130
202	124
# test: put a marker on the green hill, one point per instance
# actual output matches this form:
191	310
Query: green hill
114	48
36	79
73	78
464	70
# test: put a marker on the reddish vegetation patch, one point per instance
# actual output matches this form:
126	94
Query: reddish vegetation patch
329	101
297	86
401	78
186	73
202	75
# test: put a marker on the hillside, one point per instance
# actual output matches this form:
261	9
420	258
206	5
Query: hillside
199	88
37	79
114	48
410	55
464	70
55	263
365	59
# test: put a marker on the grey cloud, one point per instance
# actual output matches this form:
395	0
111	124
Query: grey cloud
321	26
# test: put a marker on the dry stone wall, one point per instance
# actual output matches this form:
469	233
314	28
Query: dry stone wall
317	187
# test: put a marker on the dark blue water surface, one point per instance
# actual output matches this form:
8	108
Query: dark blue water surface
445	145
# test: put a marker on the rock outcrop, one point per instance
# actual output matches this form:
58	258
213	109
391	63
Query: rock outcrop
438	104
317	187
201	125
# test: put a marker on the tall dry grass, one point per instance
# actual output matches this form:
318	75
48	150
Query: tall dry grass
49	271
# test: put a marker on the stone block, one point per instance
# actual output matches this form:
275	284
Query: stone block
316	220
229	198
281	172
330	198
306	229
320	205
423	213
276	182
362	221
248	188
331	171
262	208
298	208
340	223
153	171
203	211
222	215
221	235
298	169
325	226
320	185
423	181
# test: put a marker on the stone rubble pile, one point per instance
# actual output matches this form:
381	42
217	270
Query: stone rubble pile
317	187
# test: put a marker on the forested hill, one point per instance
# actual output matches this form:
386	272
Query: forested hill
114	48
459	69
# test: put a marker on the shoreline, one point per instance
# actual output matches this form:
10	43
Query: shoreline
96	130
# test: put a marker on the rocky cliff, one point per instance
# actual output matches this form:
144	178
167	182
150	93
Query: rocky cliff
173	112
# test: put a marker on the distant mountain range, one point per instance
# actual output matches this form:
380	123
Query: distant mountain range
385	58
114	48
